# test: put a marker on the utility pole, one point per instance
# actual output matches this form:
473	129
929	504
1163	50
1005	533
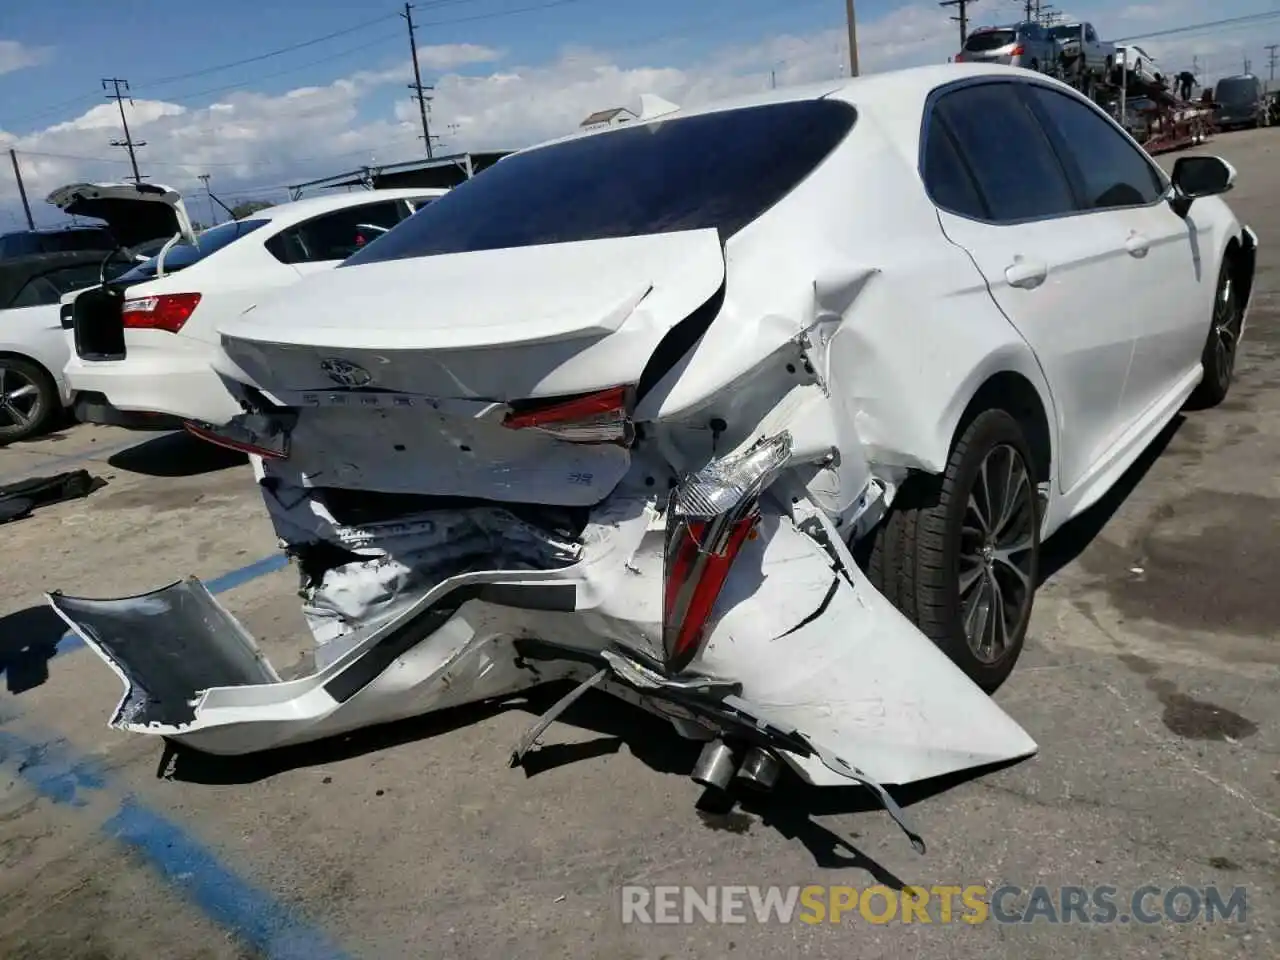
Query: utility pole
963	19
1030	7
213	217
1271	58
1246	64
22	191
853	37
128	142
417	86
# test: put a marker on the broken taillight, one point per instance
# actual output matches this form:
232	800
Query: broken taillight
258	434
166	311
601	417
711	514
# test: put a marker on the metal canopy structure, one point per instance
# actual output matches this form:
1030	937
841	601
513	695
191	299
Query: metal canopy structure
440	172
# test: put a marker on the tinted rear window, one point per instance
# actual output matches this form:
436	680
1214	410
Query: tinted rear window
719	170
988	40
184	255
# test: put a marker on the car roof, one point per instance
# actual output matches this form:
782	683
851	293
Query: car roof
891	90
285	213
893	99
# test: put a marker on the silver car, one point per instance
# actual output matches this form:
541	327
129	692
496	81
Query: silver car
1024	44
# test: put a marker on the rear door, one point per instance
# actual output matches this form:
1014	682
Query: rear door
1170	291
1062	278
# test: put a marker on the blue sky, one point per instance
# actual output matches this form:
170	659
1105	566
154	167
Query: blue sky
505	75
144	41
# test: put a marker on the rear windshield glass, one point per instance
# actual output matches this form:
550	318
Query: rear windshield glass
1236	90
988	40
1066	31
182	255
719	170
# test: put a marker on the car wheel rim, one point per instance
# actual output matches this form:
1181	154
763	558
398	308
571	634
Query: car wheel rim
997	552
19	398
1226	330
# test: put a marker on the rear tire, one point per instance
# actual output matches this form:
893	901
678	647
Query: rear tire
28	399
1218	359
959	554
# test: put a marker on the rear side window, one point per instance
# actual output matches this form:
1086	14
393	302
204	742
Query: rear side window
1018	174
336	235
183	255
717	170
1109	170
949	184
988	40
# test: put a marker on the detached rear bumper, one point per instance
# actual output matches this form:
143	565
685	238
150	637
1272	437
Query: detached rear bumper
798	635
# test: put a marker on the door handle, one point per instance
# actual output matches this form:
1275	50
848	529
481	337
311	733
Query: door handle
1137	245
1025	274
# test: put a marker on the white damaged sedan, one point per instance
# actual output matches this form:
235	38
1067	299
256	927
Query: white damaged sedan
753	415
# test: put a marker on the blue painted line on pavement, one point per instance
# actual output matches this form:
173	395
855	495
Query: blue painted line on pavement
220	584
271	927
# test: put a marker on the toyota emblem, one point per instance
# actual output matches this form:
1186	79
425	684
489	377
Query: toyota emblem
346	373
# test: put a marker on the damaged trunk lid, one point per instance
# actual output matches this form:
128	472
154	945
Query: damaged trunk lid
505	375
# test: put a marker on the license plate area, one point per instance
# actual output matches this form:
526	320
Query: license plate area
98	324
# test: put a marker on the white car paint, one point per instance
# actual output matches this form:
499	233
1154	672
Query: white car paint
36	333
1140	64
171	373
858	322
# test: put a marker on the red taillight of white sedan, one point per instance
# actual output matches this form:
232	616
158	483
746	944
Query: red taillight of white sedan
166	311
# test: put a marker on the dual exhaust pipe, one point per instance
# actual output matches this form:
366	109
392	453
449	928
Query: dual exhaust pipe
718	766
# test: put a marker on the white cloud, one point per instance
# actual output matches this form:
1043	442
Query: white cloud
16	56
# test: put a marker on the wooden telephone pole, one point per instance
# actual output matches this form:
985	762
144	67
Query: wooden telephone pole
963	18
417	87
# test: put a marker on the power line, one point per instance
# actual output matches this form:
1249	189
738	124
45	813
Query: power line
266	56
188	97
501	13
128	142
1208	25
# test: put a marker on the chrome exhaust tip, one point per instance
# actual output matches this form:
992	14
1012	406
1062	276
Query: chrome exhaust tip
715	766
760	769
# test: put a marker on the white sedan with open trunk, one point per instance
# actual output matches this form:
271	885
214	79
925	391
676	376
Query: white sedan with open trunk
626	408
142	345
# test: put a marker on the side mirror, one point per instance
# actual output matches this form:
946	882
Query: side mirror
1195	177
1202	176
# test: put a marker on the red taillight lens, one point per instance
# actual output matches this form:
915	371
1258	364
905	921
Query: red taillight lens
699	555
603	417
168	311
959	58
255	434
711	514
1017	51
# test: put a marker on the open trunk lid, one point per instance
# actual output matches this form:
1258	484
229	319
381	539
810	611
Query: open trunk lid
136	212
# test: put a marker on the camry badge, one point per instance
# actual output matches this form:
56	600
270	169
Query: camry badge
346	373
